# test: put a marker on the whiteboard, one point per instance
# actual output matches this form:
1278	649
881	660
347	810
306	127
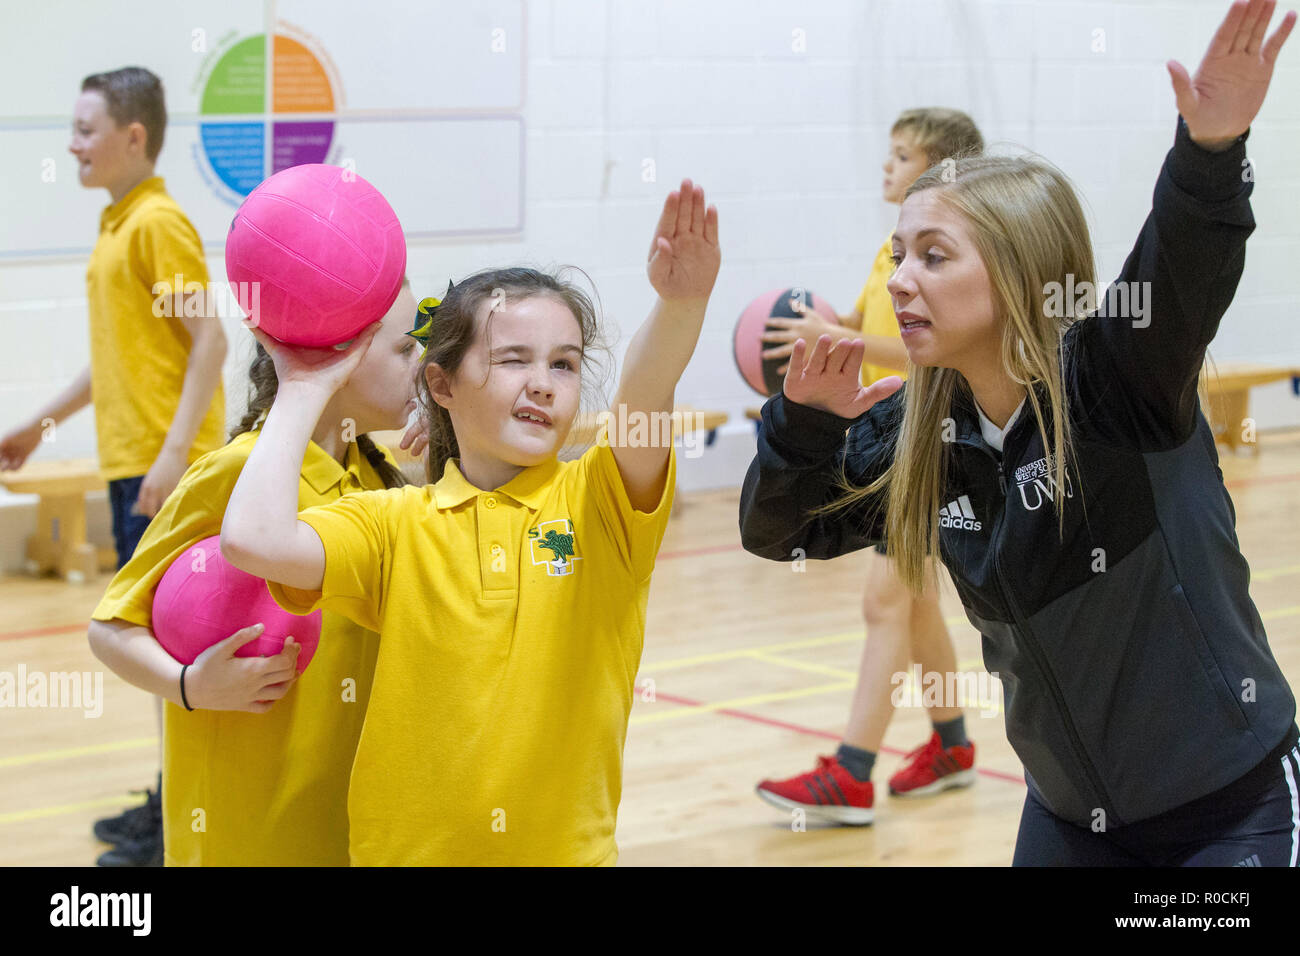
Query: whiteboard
386	98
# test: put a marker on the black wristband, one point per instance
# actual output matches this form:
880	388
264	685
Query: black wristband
184	699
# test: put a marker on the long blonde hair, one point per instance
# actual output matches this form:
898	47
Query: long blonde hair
1030	231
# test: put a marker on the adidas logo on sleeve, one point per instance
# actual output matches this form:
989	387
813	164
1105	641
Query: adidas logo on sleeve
959	515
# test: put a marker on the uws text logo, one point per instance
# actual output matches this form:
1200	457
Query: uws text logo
1036	483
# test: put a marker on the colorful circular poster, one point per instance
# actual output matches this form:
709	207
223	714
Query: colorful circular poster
299	127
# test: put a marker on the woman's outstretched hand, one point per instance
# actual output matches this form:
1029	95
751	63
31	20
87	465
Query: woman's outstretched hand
827	379
1220	102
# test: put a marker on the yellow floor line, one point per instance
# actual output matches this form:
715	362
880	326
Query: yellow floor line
972	666
1272	573
687	711
24	759
23	815
1281	612
650	668
803	666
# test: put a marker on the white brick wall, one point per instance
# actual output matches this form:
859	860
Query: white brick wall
789	145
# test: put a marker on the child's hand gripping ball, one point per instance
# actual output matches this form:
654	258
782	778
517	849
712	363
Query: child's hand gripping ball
202	600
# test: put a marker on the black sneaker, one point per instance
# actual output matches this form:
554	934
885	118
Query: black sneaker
121	827
142	844
147	851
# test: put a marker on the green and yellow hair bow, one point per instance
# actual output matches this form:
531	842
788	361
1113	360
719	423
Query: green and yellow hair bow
425	313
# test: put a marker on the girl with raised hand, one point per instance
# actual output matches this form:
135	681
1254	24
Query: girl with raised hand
510	592
1061	467
256	759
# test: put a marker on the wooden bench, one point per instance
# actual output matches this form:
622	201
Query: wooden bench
1228	398
60	544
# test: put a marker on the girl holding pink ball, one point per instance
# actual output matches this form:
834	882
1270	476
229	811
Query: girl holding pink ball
243	732
323	255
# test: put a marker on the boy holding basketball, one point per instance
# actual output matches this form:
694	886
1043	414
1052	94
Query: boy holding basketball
901	627
155	364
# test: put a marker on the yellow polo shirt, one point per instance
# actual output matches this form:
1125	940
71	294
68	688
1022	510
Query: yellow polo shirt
138	360
511	625
877	308
242	789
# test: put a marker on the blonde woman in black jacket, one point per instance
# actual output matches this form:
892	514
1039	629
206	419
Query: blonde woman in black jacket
1054	455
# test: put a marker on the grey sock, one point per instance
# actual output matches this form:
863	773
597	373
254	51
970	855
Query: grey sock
856	761
952	733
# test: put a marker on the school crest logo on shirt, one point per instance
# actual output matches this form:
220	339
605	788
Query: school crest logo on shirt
552	543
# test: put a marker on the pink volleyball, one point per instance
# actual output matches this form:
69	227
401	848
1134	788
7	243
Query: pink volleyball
748	345
203	599
314	255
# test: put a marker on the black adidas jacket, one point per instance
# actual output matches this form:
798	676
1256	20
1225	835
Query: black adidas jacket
1132	689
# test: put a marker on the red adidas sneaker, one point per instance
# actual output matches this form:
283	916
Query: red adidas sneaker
829	793
930	768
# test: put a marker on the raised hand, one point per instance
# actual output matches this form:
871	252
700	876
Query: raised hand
827	379
326	369
1220	102
684	255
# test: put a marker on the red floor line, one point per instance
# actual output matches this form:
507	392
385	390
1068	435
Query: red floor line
45	631
1261	480
813	732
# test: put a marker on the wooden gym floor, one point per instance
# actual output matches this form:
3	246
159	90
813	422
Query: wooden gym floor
752	669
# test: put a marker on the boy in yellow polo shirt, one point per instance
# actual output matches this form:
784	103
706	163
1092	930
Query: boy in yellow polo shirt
919	139
249	783
510	592
155	354
900	625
